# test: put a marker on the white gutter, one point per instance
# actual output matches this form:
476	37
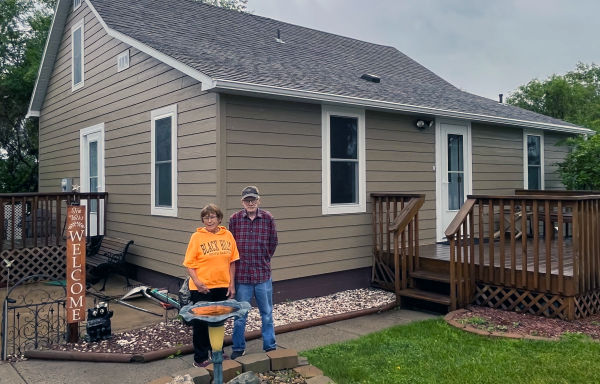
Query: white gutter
228	85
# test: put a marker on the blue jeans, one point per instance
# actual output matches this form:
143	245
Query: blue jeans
264	298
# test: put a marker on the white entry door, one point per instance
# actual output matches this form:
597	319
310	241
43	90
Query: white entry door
455	172
92	174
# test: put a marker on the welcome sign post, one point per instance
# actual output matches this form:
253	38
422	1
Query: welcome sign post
75	269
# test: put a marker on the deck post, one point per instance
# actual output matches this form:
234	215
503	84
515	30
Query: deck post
571	308
397	269
452	276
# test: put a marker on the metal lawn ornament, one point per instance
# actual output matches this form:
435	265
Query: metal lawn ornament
215	314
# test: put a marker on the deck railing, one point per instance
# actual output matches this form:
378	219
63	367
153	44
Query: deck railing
523	241
31	220
395	238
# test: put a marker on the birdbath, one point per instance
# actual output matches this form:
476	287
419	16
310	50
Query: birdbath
215	313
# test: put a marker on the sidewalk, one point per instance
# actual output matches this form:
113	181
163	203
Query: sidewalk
62	372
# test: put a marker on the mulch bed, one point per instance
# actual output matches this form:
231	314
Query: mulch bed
495	320
176	333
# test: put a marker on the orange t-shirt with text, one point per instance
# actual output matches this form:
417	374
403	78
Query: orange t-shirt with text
210	254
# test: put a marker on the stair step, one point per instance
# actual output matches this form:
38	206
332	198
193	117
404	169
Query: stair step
425	295
426	275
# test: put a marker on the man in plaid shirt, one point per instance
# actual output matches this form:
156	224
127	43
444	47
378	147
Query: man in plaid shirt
256	237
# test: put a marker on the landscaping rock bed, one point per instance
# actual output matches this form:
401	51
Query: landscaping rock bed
495	321
175	333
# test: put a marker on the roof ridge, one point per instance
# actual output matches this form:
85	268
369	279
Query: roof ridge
248	14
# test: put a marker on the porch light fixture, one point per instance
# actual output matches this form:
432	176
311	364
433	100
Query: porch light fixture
215	314
422	124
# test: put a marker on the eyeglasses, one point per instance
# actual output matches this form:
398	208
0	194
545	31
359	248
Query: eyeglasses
209	218
250	201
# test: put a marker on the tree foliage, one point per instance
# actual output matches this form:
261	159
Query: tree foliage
573	97
24	26
581	168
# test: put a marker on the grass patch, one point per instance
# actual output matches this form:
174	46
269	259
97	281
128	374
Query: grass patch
433	352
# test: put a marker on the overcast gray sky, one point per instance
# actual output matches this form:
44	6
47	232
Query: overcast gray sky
485	47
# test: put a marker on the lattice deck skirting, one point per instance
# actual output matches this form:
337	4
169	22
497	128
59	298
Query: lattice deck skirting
34	261
511	299
587	304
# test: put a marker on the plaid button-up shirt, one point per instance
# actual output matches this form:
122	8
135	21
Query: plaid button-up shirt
256	241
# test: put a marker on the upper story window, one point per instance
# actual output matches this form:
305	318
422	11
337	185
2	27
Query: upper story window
164	161
77	55
343	167
76	4
533	159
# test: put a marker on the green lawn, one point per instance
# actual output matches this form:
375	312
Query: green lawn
433	352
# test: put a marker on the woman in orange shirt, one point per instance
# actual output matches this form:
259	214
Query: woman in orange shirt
210	261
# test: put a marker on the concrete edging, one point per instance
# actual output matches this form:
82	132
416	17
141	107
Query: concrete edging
185	349
449	318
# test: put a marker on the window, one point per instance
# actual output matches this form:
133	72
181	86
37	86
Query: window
533	160
343	166
456	172
77	56
123	61
76	4
164	161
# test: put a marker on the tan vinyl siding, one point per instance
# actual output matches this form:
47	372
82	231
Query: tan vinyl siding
497	159
276	145
553	154
123	101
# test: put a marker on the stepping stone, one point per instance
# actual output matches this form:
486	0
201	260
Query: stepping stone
255	362
199	375
246	378
309	371
302	361
230	370
320	380
283	359
162	380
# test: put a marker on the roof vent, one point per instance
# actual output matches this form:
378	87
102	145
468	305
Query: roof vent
371	78
278	38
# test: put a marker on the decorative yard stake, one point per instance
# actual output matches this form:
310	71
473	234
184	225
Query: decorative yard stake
75	269
215	314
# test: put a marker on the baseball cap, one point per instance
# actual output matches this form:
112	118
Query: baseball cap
250	191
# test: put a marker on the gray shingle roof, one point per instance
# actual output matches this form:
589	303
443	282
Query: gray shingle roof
230	45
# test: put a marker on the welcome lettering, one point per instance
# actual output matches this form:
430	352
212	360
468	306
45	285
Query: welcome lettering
75	263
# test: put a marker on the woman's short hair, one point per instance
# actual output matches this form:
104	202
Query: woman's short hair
209	209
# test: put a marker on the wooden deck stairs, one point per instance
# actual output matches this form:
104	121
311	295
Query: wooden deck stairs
396	263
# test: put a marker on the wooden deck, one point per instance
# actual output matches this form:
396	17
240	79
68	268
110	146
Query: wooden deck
442	252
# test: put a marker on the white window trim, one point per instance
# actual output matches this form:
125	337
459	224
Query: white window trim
328	208
84	171
123	54
526	133
77	4
158	114
74	86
